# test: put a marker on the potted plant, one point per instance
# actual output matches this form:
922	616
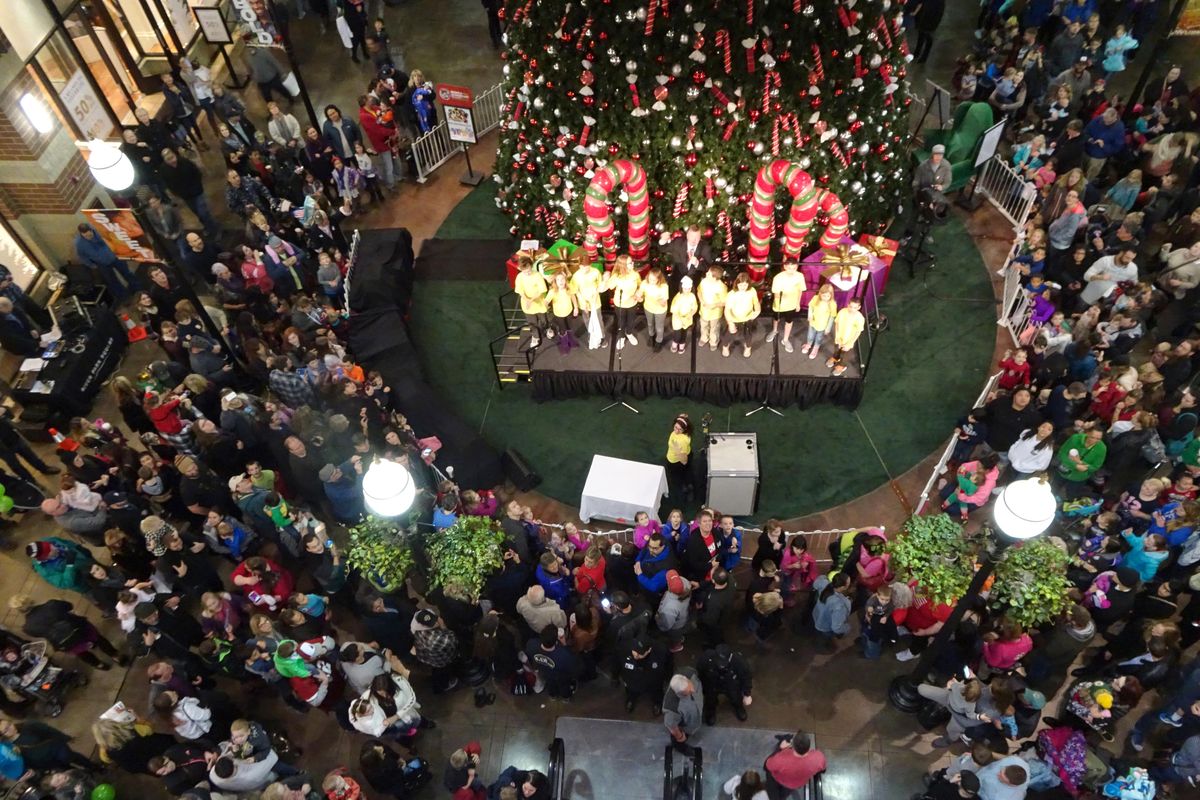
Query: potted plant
934	552
380	552
465	554
1031	582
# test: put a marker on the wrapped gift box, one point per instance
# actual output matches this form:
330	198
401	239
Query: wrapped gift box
885	250
814	265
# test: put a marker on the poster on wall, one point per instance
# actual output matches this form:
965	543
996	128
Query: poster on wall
85	107
212	25
121	231
1189	20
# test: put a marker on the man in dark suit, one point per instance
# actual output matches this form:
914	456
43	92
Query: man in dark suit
689	256
17	333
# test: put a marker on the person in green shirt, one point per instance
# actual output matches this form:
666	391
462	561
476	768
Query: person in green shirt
1079	458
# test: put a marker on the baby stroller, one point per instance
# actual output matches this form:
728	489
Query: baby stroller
26	673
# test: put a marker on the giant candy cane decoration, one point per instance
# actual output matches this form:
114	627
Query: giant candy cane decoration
807	200
600	223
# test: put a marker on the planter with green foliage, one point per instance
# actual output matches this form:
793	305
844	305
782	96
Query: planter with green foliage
934	552
1031	583
465	554
380	552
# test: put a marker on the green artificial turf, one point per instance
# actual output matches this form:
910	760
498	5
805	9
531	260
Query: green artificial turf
927	368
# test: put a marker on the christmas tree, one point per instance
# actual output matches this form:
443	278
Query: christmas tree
701	94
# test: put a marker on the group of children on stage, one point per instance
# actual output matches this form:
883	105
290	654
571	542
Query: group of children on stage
726	314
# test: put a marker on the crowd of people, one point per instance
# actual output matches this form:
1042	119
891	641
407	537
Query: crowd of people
1097	393
205	525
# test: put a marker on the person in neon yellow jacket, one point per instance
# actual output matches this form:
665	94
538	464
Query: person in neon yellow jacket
847	327
741	309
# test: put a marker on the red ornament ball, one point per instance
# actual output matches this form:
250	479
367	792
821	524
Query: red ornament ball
533	63
658	194
528	78
718	111
530	166
822	218
549	84
636	156
886	157
545	130
589	101
603	36
856	126
754	114
814	103
838	92
690	159
744	198
613	149
699	76
558	164
587	77
660	93
751	145
835	53
823	179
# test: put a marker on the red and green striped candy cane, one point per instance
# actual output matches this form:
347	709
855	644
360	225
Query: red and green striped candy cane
807	200
601	230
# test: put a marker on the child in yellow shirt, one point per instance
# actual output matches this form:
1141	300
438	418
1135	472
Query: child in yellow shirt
846	329
585	285
562	303
531	289
683	312
822	308
786	289
711	295
625	285
741	309
654	304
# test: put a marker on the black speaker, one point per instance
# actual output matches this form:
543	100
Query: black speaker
518	470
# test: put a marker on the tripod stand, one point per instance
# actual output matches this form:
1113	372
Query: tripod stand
915	250
765	405
618	400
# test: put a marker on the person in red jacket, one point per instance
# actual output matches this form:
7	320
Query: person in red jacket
794	763
590	575
1015	370
266	584
924	619
381	134
169	423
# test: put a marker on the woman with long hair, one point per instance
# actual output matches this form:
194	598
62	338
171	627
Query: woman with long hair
1056	197
747	786
741	309
654	304
625	285
822	309
1032	452
129	403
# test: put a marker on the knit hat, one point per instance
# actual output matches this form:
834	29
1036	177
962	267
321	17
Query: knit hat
675	582
1034	699
40	551
1128	576
426	618
326	473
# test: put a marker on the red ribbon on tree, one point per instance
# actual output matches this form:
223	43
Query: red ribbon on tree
636	100
710	189
858	67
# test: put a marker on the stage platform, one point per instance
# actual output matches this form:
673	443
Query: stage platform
700	374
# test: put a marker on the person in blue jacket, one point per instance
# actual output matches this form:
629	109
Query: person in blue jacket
555	579
653	564
93	253
1105	137
12	765
729	546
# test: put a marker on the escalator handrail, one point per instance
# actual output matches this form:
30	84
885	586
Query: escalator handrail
668	771
556	771
697	773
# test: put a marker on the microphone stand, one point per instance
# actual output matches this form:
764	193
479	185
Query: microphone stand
765	405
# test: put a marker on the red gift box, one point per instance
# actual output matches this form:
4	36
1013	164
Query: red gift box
885	250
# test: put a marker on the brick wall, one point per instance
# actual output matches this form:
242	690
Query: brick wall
64	196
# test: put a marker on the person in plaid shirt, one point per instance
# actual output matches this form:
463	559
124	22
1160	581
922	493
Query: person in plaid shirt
294	390
437	647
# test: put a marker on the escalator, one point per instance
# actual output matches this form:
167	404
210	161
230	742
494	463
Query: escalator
689	783
556	770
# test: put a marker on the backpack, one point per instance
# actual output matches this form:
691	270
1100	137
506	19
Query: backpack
64	634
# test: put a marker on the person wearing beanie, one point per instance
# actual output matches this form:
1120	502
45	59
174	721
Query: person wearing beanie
1111	596
61	563
672	616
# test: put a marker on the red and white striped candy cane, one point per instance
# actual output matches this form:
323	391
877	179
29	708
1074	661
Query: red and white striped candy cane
807	200
601	230
721	40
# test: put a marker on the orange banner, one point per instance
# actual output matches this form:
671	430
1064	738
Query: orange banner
1189	21
121	231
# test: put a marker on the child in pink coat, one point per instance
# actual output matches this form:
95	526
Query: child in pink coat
973	486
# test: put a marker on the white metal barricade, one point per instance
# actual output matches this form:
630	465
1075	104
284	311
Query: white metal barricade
1007	190
988	388
435	147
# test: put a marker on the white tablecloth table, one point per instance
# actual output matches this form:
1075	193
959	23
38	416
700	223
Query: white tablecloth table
617	489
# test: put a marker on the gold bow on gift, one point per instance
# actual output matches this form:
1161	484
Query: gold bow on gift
880	246
843	257
549	264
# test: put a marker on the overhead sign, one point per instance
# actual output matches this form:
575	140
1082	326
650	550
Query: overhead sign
451	95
